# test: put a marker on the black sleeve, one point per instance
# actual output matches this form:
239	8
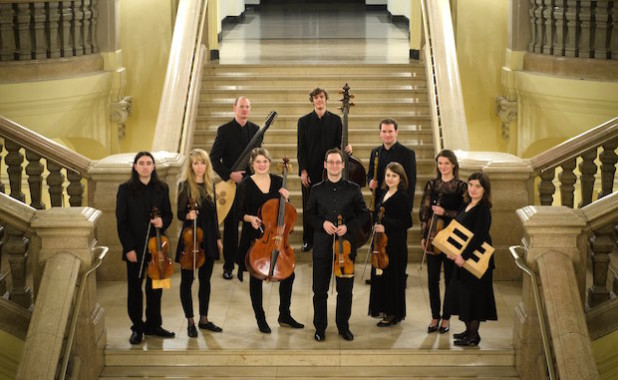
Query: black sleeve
216	154
311	212
183	202
339	133
424	212
301	146
166	208
123	222
362	215
480	229
371	165
399	218
411	177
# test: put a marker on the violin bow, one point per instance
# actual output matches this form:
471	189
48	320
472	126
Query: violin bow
141	264
373	234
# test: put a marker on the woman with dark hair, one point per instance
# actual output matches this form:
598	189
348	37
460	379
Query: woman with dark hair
197	187
387	297
442	199
251	194
135	201
468	296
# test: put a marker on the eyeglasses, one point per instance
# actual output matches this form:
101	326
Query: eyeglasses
334	162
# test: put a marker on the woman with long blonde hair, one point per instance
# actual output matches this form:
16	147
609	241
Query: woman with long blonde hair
196	188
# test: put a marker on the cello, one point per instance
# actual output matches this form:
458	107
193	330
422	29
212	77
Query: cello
161	265
193	255
271	257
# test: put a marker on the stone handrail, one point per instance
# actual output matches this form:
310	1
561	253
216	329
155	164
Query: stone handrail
565	155
449	117
43	29
175	109
584	29
36	147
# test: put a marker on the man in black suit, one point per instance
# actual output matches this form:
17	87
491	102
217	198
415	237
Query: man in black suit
391	150
318	131
231	140
330	198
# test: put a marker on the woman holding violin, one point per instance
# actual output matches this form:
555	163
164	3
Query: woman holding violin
200	242
251	194
387	297
442	199
135	202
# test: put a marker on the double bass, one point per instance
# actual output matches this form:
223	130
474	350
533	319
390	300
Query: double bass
193	255
271	257
161	265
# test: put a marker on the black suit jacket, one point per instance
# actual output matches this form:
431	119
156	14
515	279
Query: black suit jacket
315	137
231	140
398	153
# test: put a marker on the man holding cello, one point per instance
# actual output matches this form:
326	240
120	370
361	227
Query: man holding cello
330	199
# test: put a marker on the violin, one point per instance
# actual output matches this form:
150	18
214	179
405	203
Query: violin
379	257
271	257
343	266
161	265
193	255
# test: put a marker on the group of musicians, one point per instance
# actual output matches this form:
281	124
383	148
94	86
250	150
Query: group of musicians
334	210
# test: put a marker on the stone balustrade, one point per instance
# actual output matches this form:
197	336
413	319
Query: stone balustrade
36	29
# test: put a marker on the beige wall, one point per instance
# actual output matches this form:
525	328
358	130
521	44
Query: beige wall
606	356
146	35
481	37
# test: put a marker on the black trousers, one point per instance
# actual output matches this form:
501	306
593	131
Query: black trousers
135	299
434	267
230	240
285	296
307	229
203	294
322	271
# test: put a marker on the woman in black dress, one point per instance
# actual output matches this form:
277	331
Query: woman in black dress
387	297
251	194
468	296
197	186
442	198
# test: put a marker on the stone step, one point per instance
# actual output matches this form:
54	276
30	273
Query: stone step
260	94
300	107
318	70
330	82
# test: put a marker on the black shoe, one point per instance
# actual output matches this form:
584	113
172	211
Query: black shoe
320	335
289	322
460	335
239	275
136	337
263	326
386	323
368	281
469	340
209	326
191	331
432	328
160	332
227	274
346	334
306	247
444	329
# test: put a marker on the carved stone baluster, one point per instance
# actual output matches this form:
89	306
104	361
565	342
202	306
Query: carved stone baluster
39	17
533	31
546	187
558	45
588	169
17	250
24	38
13	160
601	24
93	26
3	274
75	188
608	160
614	36
55	179
601	246
34	169
540	26
87	9
76	28
570	50
53	29
585	17
7	33
1	184
550	22
567	182
66	16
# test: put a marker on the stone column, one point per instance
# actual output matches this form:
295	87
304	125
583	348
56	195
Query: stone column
66	239
553	236
105	177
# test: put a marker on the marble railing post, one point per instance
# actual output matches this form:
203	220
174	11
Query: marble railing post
555	241
66	239
16	249
601	246
105	177
608	158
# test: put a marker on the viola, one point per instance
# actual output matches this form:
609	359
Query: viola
343	266
161	265
193	255
379	257
271	257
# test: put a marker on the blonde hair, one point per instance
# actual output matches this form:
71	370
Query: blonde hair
189	176
259	151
